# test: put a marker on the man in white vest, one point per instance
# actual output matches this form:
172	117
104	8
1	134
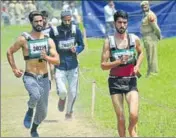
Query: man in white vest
109	11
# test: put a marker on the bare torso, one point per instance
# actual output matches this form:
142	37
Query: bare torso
33	65
121	43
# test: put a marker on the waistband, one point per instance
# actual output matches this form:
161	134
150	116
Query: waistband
121	77
36	76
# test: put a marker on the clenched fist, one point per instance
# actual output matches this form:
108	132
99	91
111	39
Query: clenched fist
18	72
43	54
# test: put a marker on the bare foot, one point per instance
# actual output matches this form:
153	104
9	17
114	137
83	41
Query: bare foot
132	132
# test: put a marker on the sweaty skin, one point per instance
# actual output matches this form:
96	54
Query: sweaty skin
32	65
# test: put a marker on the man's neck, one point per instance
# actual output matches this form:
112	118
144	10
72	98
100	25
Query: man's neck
36	35
146	13
121	36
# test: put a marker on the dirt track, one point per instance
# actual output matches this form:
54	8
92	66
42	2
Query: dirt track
14	104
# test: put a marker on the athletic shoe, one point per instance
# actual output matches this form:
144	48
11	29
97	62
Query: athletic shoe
27	121
34	134
68	116
61	105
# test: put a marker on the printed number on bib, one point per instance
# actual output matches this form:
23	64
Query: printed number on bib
66	44
36	48
128	55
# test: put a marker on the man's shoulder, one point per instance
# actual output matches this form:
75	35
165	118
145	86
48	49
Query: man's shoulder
78	30
25	36
21	40
151	12
133	36
151	16
106	7
59	27
53	28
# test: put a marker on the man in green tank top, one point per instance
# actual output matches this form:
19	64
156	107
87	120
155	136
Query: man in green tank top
151	35
37	51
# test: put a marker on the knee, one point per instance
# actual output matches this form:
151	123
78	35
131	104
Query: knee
133	116
121	117
62	94
36	97
72	93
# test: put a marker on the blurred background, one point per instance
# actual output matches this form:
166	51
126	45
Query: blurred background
90	14
15	12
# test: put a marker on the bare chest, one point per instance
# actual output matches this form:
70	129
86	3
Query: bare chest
121	44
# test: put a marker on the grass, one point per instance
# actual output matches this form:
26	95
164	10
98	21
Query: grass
157	94
157	104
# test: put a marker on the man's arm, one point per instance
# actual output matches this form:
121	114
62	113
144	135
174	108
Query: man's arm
140	56
14	48
153	22
105	64
54	57
80	44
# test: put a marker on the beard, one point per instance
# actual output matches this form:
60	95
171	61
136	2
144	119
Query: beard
146	10
38	28
121	30
66	25
44	24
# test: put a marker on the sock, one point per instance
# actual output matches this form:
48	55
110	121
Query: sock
34	127
30	111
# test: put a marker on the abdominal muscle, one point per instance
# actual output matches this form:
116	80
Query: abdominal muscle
35	67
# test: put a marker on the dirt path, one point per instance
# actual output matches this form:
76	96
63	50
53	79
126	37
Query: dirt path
14	104
79	126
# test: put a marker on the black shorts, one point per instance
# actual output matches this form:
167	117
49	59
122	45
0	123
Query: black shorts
120	85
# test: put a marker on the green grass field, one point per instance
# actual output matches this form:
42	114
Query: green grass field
157	94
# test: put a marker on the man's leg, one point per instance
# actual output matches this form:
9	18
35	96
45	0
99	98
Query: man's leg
132	99
32	87
149	54
108	27
112	28
117	100
154	62
42	105
72	93
61	81
147	49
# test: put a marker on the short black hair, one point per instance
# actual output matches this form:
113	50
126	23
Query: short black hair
33	14
45	14
120	13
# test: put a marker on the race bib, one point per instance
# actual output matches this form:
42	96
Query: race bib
36	46
125	54
66	44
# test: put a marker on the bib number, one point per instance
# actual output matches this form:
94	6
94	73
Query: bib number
35	48
128	55
67	44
